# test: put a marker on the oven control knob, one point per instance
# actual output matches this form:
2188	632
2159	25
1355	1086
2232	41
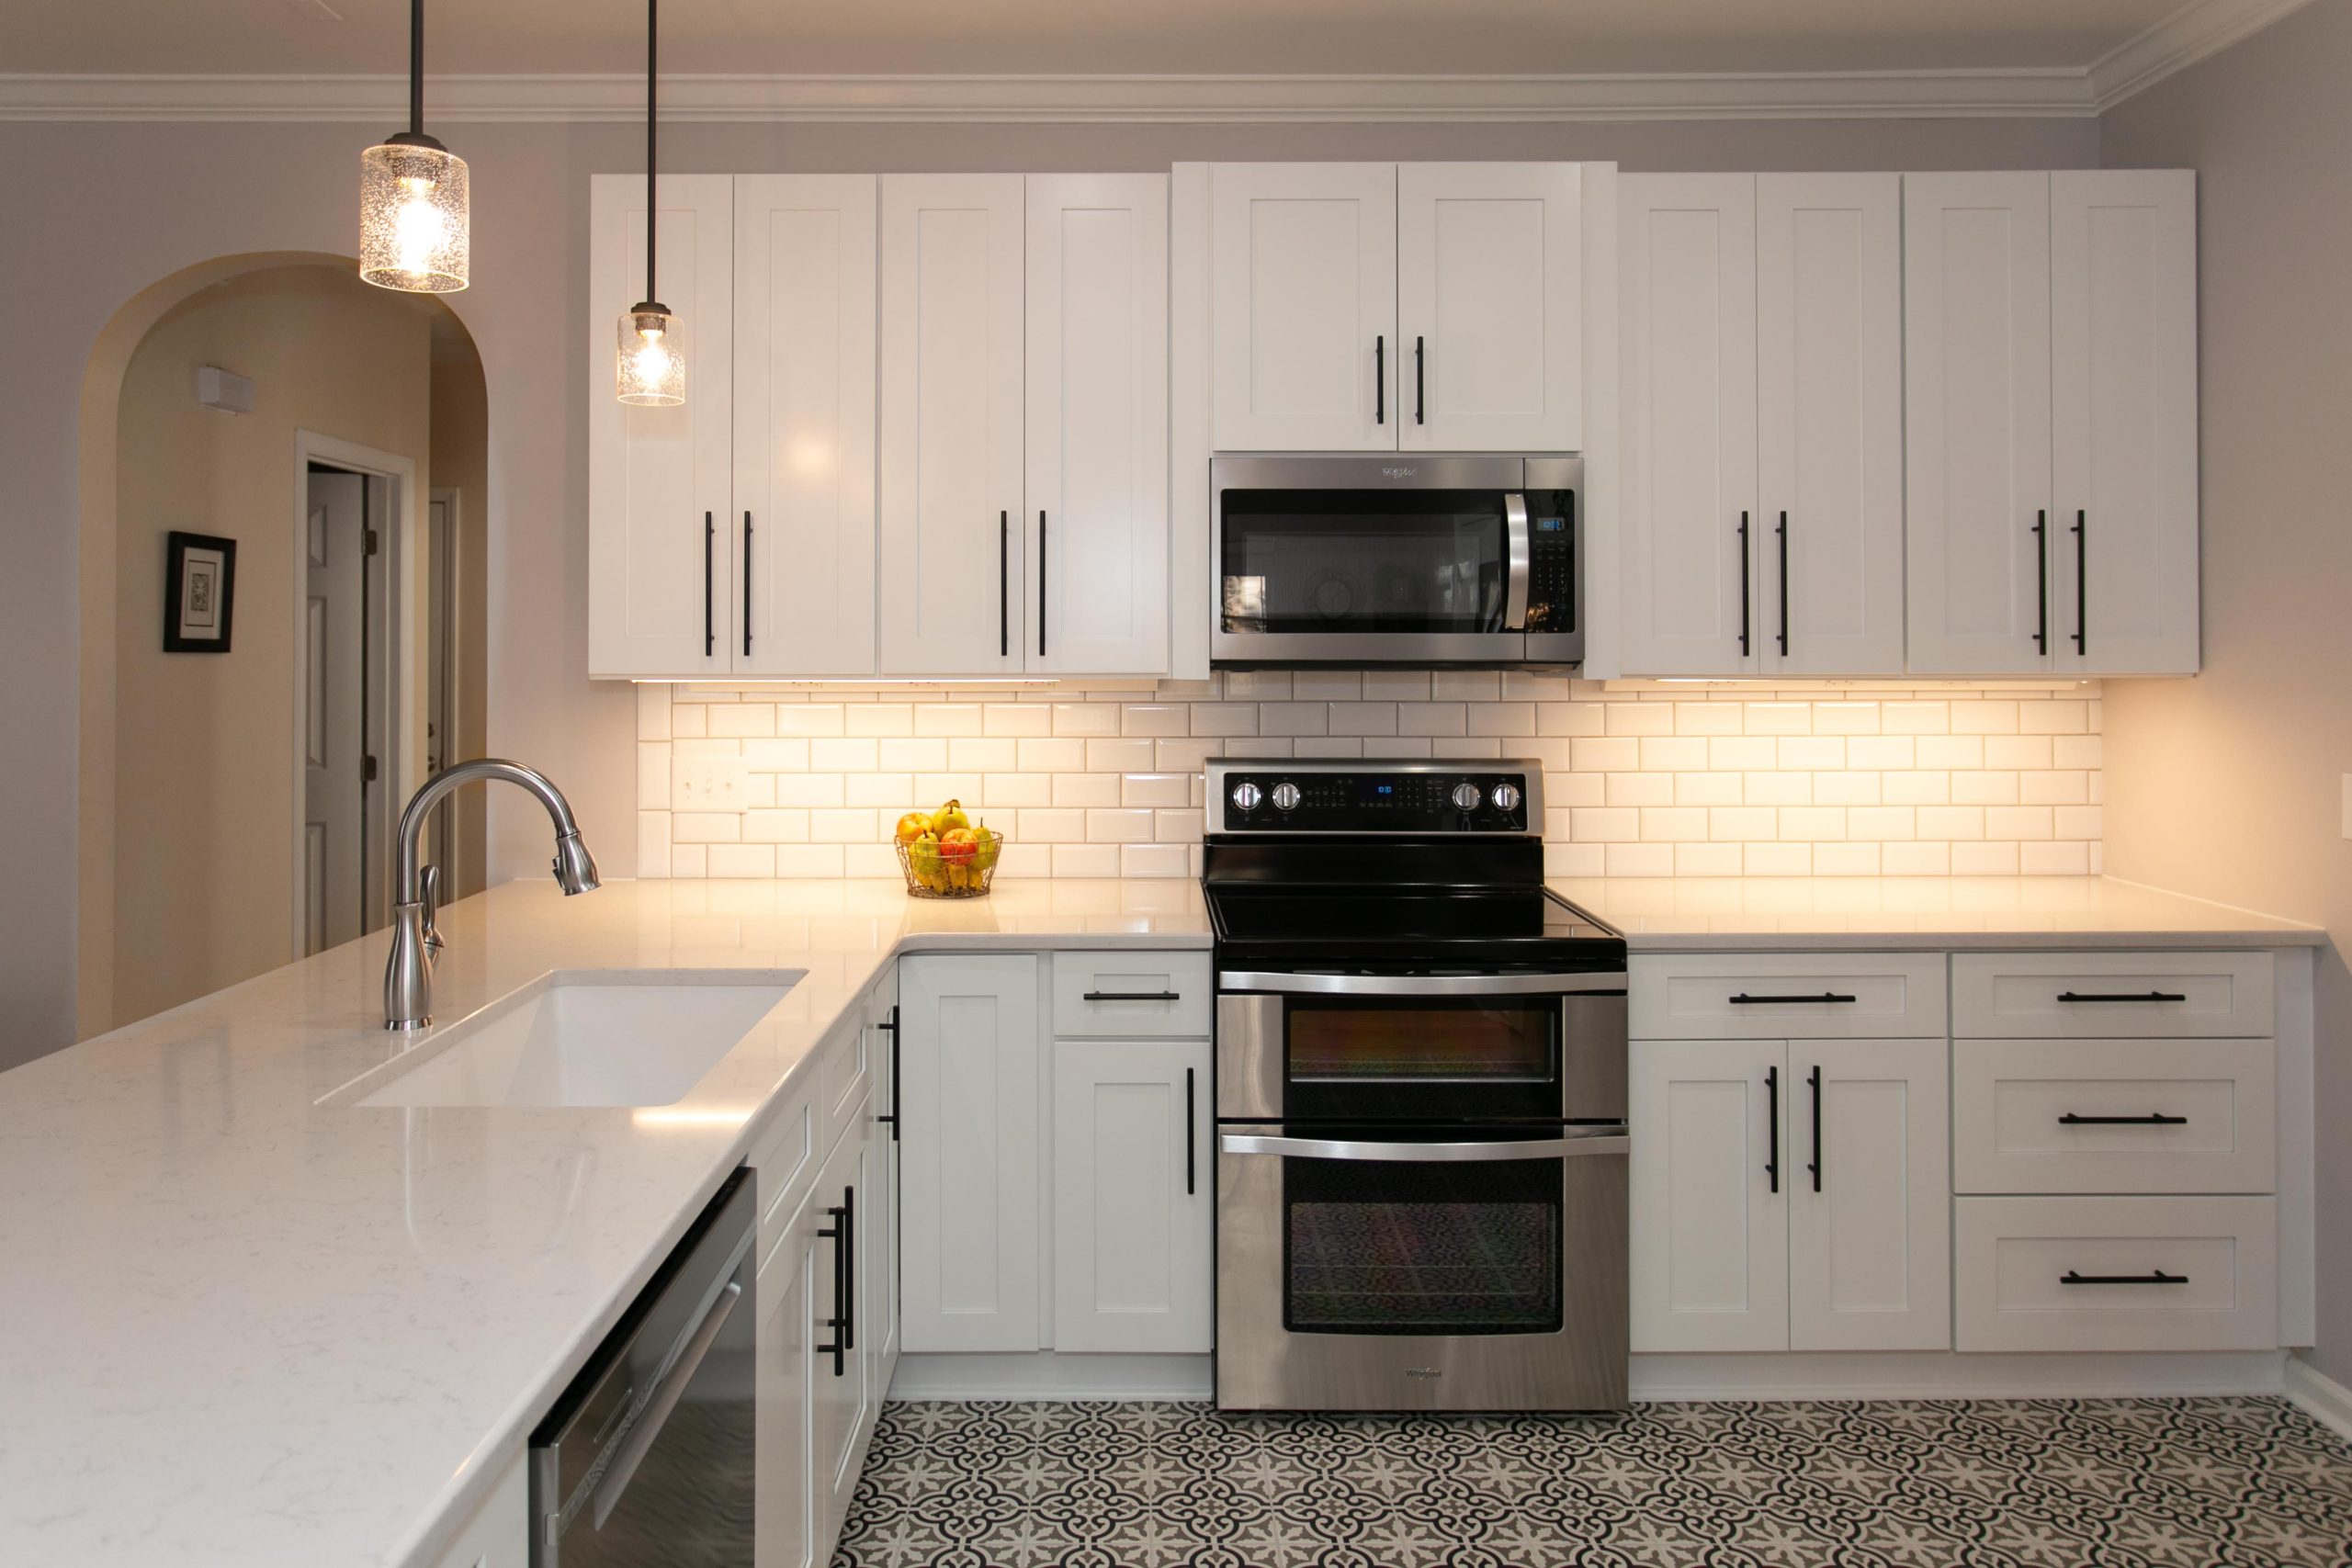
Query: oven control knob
1465	796
1286	796
1506	798
1246	795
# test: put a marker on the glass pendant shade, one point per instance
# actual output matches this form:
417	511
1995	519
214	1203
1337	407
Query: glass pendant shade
413	222
650	365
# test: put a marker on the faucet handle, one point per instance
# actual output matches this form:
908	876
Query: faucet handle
429	885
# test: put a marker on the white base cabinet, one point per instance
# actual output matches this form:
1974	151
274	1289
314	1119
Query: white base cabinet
499	1533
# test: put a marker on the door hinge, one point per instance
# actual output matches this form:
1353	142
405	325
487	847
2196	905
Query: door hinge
372	541
368	770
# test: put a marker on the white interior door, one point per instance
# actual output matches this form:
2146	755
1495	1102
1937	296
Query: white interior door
1829	407
949	581
801	532
1303	309
1134	1248
1687	354
1489	306
1097	424
1869	1222
968	1135
1976	421
659	594
334	739
1710	1194
2123	421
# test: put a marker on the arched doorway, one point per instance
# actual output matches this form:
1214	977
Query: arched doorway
205	855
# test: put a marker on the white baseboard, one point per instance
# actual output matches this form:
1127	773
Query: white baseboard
1935	1374
2320	1397
1046	1375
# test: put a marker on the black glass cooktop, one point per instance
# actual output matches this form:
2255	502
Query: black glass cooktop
1422	927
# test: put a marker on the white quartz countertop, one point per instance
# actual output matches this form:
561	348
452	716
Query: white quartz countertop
237	1329
1712	913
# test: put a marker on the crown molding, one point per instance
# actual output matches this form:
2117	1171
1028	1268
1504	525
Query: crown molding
2200	28
1892	95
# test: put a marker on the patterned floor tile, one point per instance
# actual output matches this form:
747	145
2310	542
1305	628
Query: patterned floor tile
1897	1484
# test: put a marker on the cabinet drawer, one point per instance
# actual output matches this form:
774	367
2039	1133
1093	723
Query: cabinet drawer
1140	993
783	1157
2081	1274
845	1071
2113	1116
2001	995
1780	996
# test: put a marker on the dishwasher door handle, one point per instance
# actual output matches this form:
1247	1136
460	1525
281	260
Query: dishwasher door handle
650	1420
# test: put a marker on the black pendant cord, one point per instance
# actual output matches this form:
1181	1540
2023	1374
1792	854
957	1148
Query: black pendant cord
416	67
652	213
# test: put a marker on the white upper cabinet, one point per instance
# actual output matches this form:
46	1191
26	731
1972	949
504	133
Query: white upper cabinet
1489	307
1977	416
1687	357
1096	436
949	575
2123	422
660	579
1304	307
801	530
1829	453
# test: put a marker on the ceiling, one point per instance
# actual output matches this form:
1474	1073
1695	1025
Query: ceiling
1078	37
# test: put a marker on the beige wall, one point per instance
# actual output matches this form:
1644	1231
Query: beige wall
97	212
204	743
2228	785
462	463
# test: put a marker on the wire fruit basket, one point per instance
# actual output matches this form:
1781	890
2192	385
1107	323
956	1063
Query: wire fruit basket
951	870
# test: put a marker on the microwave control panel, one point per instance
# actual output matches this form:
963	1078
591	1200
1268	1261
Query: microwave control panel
1469	801
1552	560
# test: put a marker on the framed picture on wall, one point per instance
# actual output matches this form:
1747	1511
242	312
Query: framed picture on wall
199	590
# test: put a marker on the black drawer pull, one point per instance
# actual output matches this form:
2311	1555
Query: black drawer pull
2122	996
2153	1277
1744	999
1131	997
2154	1118
1772	1121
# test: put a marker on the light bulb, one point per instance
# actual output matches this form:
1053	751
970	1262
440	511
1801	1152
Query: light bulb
413	223
649	367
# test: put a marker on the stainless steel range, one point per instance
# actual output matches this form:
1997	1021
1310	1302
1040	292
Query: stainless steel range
1420	1097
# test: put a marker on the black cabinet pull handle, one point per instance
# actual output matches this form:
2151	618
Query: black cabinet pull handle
1380	380
1130	997
1419	393
840	1319
1745	615
1744	999
1041	582
2082	586
2122	997
2041	580
709	630
1783	531
1191	1153
849	1268
1772	1117
1813	1079
2154	1118
747	585
1003	584
892	1118
2153	1277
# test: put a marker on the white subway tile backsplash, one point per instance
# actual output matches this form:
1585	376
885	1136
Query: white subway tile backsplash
1813	779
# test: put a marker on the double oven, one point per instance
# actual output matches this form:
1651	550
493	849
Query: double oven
1420	1102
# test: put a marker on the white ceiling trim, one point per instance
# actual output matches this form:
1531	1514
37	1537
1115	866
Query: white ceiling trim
2198	28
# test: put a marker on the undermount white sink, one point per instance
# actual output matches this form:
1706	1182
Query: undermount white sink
584	1038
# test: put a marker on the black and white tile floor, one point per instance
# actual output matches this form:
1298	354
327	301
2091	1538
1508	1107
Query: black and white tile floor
2040	1483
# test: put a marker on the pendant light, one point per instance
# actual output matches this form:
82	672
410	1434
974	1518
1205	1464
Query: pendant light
413	224
650	365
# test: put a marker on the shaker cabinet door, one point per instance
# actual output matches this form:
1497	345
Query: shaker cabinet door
1709	1178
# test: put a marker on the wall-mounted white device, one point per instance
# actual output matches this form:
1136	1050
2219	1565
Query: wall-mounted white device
219	388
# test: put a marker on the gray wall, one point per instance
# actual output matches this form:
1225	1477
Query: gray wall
2228	785
97	212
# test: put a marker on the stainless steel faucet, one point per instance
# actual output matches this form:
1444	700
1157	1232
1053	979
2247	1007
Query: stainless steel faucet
417	940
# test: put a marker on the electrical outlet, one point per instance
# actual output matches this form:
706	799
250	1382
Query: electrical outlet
709	783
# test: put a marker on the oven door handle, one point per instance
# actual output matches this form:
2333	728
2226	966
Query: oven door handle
1515	538
1291	985
1600	1138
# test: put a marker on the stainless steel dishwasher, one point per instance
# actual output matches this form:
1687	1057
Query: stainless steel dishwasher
646	1460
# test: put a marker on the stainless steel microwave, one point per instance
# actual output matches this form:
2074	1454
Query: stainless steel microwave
1399	559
